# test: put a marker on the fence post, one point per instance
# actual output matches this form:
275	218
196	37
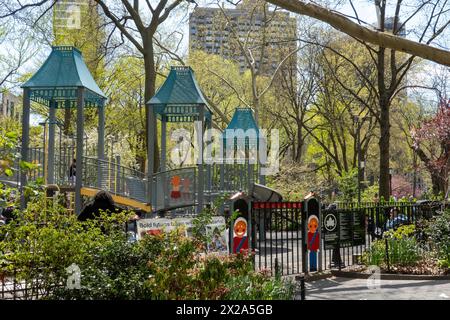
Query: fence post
118	175
338	250
14	283
277	268
302	288
387	254
304	240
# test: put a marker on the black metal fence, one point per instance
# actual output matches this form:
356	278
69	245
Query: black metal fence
12	288
348	231
277	236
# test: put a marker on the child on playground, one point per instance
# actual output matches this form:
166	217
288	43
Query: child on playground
72	171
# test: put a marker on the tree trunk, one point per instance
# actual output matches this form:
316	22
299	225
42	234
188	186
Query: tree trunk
384	142
438	182
150	84
298	152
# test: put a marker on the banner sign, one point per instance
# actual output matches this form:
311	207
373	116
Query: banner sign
216	231
344	228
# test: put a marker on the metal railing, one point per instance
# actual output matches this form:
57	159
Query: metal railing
115	178
36	156
11	288
124	181
175	188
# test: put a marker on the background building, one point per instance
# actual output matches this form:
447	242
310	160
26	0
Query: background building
9	105
215	31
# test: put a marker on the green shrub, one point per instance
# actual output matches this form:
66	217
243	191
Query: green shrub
258	286
403	249
41	243
438	232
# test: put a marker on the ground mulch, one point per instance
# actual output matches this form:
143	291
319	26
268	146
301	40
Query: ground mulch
424	267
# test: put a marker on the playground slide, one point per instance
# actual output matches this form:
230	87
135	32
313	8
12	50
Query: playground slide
120	200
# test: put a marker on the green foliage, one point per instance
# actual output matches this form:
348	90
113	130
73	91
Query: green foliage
438	232
348	185
40	243
257	287
44	240
204	218
404	231
8	143
8	155
7	195
370	193
403	249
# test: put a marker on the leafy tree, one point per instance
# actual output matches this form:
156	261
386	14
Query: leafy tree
432	145
348	185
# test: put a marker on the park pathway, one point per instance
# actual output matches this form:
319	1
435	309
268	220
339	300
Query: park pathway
357	289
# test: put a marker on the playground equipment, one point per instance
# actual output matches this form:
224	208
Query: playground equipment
64	81
180	100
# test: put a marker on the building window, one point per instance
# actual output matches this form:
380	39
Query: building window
12	109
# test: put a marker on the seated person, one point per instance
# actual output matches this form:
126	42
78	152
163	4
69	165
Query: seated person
103	201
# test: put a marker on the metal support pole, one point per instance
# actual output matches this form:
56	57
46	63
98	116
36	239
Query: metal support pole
201	173
25	143
151	134
209	165
51	143
100	144
262	150
163	143
79	155
302	288
45	152
320	253
119	176
163	160
223	155
222	176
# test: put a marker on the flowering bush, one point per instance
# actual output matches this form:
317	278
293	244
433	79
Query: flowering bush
43	241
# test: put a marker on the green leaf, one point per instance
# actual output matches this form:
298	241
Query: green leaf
12	135
9	172
27	165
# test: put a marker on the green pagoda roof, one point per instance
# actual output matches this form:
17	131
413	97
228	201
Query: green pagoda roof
180	98
243	119
60	76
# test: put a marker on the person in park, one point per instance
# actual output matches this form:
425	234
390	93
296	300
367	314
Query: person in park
103	201
73	171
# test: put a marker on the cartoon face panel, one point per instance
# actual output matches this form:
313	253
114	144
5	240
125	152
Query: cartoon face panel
313	224
240	228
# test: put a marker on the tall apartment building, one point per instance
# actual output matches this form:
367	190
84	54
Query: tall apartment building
389	26
67	14
8	105
74	22
217	31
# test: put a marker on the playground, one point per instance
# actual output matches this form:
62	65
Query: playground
226	179
179	100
